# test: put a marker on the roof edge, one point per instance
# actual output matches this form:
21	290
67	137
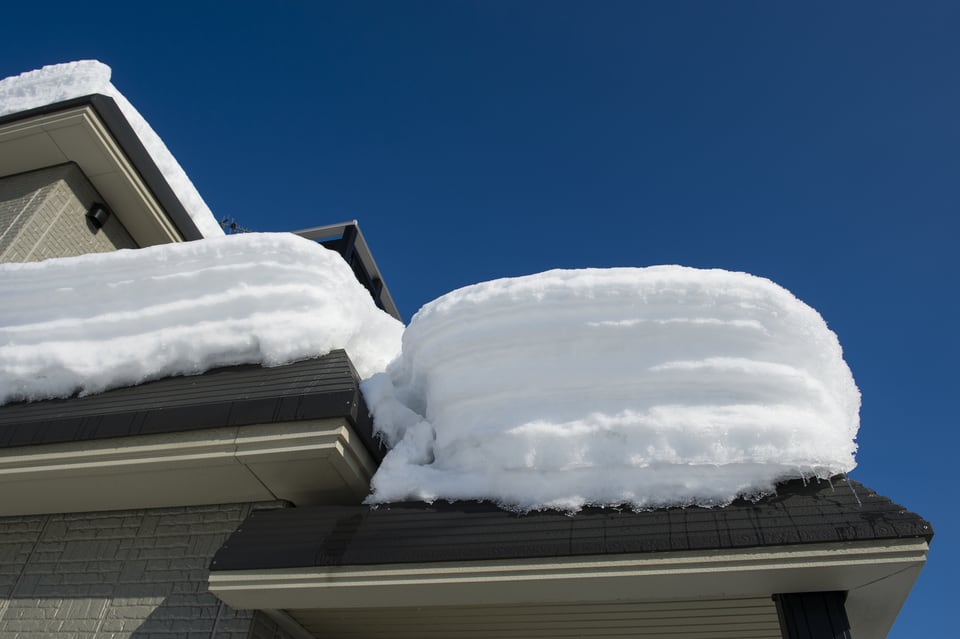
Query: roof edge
129	142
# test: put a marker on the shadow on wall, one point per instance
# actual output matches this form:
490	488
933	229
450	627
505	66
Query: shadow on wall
134	573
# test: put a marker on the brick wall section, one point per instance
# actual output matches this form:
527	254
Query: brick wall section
43	215
135	573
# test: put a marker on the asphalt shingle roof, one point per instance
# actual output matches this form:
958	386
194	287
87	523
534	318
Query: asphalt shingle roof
232	396
817	512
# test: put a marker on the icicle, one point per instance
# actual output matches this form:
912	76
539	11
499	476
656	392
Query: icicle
852	490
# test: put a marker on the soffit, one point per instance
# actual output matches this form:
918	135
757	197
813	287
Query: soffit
77	131
738	618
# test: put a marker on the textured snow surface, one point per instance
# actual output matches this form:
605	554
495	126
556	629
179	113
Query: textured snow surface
650	387
89	323
59	82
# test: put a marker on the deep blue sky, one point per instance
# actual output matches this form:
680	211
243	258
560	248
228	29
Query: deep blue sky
817	144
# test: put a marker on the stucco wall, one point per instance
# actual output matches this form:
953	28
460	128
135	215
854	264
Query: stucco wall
43	215
134	573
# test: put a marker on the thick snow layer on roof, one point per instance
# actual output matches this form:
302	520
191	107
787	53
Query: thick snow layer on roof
645	387
60	82
89	323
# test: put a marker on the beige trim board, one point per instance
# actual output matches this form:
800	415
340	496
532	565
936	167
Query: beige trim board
79	135
739	618
305	462
877	574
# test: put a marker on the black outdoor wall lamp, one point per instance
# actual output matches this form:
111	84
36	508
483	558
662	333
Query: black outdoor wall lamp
98	215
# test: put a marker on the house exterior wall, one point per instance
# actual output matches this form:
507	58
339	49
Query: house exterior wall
43	215
133	573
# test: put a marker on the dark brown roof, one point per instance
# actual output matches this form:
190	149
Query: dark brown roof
233	396
800	513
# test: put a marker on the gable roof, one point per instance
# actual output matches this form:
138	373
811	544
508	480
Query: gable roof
93	132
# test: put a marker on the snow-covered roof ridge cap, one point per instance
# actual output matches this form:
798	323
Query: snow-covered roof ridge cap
61	82
53	83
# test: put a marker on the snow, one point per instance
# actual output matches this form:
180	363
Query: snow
89	323
60	82
660	386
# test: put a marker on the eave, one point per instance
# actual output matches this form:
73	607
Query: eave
298	433
877	576
92	132
410	570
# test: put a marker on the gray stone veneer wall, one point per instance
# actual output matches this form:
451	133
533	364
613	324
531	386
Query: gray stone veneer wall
132	573
43	215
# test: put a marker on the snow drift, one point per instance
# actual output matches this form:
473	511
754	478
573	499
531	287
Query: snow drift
645	387
60	82
89	323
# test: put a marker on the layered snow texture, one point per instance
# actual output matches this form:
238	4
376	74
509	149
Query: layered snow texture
59	82
651	387
662	386
89	323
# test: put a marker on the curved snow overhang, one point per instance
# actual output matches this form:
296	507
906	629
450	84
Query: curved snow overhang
413	570
298	433
92	132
